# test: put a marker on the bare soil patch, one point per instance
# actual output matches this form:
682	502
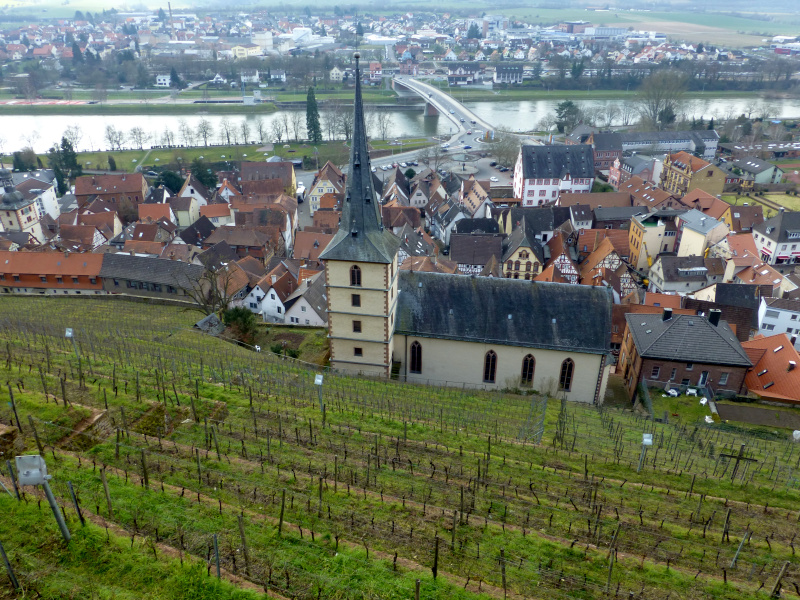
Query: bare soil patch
756	415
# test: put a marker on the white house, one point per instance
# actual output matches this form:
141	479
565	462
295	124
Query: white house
250	76
163	80
308	304
43	193
543	173
780	315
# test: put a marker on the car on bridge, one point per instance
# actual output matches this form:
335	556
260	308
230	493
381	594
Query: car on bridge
452	112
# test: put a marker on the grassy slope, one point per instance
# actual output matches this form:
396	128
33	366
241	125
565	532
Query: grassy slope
96	565
159	331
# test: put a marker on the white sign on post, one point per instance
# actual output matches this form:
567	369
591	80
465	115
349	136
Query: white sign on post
647	439
68	332
318	380
31	470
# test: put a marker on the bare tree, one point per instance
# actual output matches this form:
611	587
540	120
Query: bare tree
114	137
611	113
185	132
214	290
74	134
627	112
661	93
277	131
285	122
383	123
167	138
434	157
329	123
100	94
297	118
138	137
506	148
261	130
244	129
205	130
226	130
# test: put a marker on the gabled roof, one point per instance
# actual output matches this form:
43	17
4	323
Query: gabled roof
686	338
689	268
126	183
215	210
429	264
152	270
313	291
778	227
752	164
361	236
699	222
254	171
192	182
477	309
154	211
694	163
709	205
198	231
744	218
605	142
309	246
50	263
773	375
475	249
557	161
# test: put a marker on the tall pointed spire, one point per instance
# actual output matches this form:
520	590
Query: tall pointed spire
361	236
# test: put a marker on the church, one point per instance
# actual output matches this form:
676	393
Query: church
458	330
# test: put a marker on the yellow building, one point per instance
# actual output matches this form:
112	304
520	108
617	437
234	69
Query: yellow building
361	269
246	51
683	173
650	235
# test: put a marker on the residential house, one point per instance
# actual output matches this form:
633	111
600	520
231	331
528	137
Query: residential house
193	188
464	73
596	200
684	172
665	350
709	205
563	261
604	267
18	211
684	274
616	217
475	198
524	256
698	232
744	218
115	189
646	194
543	221
508	74
738	303
472	252
42	193
415	242
429	264
625	167
778	238
652	234
542	173
762	274
149	213
607	149
308	304
245	242
774	376
283	170
336	74
186	211
50	273
780	315
309	245
581	216
163	80
218	214
249	76
328	180
754	171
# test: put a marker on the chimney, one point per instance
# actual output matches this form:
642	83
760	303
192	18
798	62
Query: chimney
792	365
713	316
274	279
667	314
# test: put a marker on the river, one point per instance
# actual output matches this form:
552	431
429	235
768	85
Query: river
41	131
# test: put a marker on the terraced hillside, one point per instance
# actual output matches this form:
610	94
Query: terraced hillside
391	488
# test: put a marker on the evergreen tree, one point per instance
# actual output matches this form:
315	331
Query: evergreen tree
312	118
63	159
112	164
711	124
77	55
175	81
473	32
203	174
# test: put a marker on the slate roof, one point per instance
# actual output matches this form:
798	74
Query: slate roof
151	270
540	218
751	164
737	294
198	231
477	226
784	304
686	338
523	236
671	267
548	315
607	142
475	249
777	228
361	236
313	290
556	161
617	213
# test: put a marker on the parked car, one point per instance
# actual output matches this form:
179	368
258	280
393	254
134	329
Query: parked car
374	169
404	165
467	147
469	133
151	174
504	169
493	163
493	179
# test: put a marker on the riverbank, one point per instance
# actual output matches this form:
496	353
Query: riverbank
144	108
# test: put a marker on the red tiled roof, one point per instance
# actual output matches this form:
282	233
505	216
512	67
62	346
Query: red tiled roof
773	375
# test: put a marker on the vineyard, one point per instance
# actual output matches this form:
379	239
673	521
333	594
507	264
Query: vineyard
192	459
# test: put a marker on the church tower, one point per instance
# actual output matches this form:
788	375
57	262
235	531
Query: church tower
361	268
